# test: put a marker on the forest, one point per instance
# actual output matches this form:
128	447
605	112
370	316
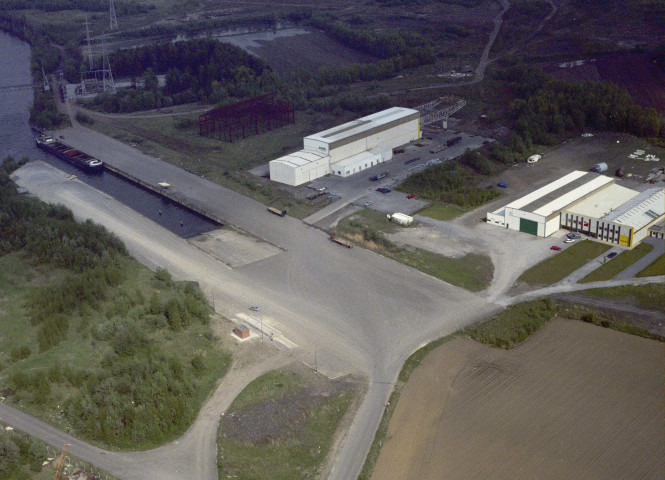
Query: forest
545	111
128	385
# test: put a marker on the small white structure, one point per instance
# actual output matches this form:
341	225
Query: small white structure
349	148
400	218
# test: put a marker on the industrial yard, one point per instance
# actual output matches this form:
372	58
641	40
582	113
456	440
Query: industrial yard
361	208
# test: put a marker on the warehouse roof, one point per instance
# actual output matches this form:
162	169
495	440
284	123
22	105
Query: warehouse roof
603	202
300	158
557	195
643	209
363	127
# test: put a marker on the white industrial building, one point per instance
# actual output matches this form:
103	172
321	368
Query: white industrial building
585	202
349	148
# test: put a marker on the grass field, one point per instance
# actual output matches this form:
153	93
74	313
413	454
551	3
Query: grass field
617	264
657	267
282	426
561	265
651	296
440	211
472	271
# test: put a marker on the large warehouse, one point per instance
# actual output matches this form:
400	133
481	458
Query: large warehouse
585	202
349	148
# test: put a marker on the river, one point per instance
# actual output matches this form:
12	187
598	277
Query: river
17	140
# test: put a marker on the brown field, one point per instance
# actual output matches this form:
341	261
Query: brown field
310	52
637	74
573	401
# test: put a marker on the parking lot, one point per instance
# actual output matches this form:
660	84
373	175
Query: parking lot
359	190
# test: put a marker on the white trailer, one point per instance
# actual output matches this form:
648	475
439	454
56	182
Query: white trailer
400	218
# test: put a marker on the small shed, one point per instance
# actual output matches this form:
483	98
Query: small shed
241	331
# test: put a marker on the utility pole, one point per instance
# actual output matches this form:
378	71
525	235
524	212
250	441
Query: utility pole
113	20
87	36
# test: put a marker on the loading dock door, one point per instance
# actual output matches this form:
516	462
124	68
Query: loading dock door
528	226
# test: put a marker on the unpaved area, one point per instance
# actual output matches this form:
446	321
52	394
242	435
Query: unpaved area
573	401
310	51
435	240
233	248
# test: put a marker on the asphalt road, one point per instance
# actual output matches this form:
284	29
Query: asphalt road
365	313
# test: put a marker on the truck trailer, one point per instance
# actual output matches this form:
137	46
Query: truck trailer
400	219
277	211
340	241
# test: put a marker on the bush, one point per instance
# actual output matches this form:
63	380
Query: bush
19	353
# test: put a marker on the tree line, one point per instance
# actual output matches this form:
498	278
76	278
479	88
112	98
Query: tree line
122	7
137	389
546	111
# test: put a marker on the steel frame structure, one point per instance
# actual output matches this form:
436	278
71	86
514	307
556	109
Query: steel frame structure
247	117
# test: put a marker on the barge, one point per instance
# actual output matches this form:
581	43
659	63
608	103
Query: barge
72	155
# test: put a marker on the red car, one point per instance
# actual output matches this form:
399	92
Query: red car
410	196
554	247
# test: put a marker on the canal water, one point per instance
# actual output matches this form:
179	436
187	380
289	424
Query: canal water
17	140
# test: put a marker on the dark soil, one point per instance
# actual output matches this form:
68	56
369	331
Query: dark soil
309	52
286	417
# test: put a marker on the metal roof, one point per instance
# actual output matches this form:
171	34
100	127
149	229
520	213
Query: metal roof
641	210
300	158
365	126
557	195
603	202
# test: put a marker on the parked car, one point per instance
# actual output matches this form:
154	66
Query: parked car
367	204
569	240
574	236
383	190
502	185
554	247
254	308
410	196
612	255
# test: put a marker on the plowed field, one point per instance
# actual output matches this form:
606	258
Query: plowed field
573	401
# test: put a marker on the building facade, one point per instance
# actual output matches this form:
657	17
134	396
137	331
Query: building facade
349	148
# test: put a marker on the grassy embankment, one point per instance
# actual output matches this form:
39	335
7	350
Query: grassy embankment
90	340
657	267
282	426
616	265
176	141
562	264
367	227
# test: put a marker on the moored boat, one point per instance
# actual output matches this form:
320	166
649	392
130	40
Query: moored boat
72	155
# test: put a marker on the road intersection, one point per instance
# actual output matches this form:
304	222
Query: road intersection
365	313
